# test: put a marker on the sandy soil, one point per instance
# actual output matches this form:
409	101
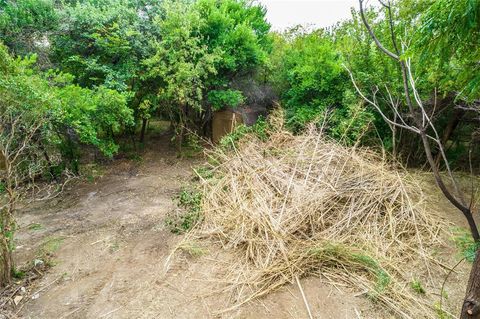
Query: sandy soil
112	247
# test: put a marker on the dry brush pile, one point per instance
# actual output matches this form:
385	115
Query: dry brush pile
293	206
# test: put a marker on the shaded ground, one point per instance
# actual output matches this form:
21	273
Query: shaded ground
110	244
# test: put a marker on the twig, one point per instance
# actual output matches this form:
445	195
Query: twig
445	281
304	298
110	312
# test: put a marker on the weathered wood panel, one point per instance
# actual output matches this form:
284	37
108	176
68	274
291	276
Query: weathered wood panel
224	122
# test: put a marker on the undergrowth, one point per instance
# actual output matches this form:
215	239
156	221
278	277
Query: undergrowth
353	259
465	244
189	199
417	286
259	129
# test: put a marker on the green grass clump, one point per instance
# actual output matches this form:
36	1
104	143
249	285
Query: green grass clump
259	129
417	286
51	245
35	226
193	249
352	259
190	200
465	244
204	172
192	146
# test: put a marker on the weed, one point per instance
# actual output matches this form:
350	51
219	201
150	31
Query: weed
3	189
135	157
441	314
50	245
259	129
465	243
193	249
347	256
35	226
417	286
204	172
114	247
191	146
18	274
92	172
190	200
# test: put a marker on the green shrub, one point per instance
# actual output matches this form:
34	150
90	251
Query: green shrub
190	200
259	129
465	243
225	98
417	286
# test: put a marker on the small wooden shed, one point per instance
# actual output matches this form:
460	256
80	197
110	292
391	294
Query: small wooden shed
225	121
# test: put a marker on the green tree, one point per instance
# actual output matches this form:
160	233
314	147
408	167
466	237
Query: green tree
25	26
103	43
41	119
203	46
314	85
182	63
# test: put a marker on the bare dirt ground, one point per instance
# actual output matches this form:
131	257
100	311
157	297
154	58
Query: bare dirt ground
109	244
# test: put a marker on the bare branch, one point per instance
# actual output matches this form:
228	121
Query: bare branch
377	107
372	34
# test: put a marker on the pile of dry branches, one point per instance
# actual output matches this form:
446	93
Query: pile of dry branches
294	206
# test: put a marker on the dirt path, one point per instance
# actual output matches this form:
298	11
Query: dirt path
109	243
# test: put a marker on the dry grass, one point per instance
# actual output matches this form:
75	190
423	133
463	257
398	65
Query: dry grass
295	206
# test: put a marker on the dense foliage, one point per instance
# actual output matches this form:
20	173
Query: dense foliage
309	71
84	73
43	120
76	73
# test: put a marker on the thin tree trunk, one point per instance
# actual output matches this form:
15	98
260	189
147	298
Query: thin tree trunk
180	129
471	303
6	261
144	128
394	138
179	139
449	129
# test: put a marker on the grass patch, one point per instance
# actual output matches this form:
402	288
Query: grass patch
191	146
193	249
417	286
190	200
203	172
18	274
50	246
465	244
441	314
259	129
352	259
115	246
92	172
35	226
135	157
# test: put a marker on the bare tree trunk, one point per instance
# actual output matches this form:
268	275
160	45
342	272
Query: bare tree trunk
394	138
471	303
6	261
